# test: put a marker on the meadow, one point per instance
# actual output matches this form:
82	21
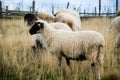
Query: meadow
19	62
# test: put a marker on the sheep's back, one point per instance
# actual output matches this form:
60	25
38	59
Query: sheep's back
76	42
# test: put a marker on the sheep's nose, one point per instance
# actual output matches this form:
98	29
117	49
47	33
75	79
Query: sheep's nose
31	32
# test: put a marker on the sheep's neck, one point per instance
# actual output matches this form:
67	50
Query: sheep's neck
48	34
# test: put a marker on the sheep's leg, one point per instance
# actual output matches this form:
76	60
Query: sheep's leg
68	63
59	65
100	58
96	71
97	64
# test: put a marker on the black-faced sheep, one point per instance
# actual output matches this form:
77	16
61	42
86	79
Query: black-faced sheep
31	18
80	45
40	44
70	20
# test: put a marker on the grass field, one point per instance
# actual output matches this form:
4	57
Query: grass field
18	62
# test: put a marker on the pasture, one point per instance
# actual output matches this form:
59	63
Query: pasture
18	62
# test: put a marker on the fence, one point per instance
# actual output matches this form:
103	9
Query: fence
14	13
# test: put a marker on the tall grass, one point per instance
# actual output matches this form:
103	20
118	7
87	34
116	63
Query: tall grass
17	61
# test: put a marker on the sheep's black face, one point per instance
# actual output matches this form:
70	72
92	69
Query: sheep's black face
35	28
30	18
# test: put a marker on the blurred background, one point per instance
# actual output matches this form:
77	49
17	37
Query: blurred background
83	7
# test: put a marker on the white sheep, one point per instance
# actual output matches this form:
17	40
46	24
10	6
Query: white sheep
69	19
68	11
46	16
40	43
115	25
80	45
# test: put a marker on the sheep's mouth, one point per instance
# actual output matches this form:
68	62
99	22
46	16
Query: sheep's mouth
32	31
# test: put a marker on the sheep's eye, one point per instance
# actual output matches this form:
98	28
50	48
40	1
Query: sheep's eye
38	25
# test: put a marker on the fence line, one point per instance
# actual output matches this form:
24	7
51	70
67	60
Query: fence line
12	13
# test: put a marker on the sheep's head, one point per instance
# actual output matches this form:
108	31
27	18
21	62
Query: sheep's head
36	27
30	19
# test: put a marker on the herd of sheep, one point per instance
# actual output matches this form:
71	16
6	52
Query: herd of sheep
62	36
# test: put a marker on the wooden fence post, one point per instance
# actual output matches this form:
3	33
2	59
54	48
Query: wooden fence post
116	5
6	10
30	8
84	12
99	7
68	5
52	9
95	11
33	6
0	9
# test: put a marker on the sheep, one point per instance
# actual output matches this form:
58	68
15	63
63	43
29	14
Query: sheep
72	12
69	19
115	25
118	12
114	29
78	45
31	18
40	44
46	16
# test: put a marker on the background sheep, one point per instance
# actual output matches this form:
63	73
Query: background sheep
118	12
82	45
31	18
114	30
72	12
46	16
69	19
115	25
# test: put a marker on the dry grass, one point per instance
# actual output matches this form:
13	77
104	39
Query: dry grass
17	61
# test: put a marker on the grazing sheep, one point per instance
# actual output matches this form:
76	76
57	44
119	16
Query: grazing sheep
118	12
80	45
31	18
114	29
46	16
69	19
115	25
72	12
